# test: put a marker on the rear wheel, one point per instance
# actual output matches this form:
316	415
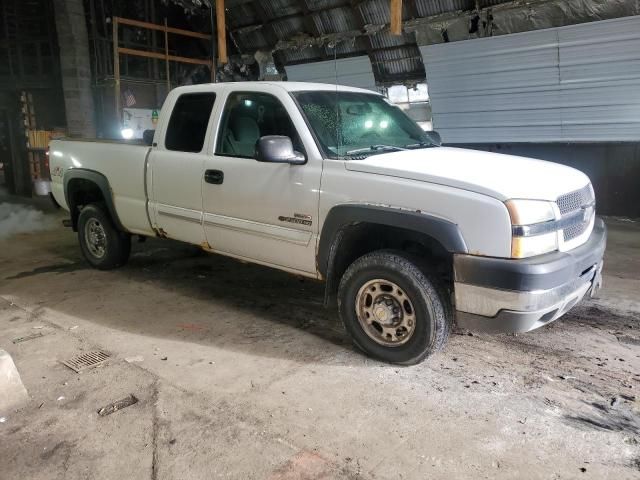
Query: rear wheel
392	309
102	244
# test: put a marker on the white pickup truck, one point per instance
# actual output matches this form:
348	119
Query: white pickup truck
337	184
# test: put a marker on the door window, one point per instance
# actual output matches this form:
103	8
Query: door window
188	123
249	116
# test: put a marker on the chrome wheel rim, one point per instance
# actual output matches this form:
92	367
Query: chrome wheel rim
96	238
385	313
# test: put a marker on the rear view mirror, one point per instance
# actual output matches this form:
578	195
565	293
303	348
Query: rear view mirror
359	109
278	149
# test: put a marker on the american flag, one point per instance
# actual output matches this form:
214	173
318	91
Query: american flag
129	98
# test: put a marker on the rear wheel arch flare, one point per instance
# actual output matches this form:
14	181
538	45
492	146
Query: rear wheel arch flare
88	186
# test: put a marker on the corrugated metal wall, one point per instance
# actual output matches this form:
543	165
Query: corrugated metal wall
353	72
571	84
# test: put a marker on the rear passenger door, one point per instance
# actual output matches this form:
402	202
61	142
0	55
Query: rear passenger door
176	166
265	212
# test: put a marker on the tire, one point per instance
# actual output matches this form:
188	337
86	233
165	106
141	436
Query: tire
112	248
428	312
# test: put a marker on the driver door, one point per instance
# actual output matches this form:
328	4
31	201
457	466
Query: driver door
265	212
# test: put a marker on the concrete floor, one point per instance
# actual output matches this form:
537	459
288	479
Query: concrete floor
240	373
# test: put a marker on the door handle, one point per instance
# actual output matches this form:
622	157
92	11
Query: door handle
215	177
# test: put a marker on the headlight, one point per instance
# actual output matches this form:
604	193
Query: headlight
526	212
530	235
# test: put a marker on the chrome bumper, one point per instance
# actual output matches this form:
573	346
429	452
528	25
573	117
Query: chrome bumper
493	307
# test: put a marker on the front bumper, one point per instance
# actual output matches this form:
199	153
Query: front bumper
514	296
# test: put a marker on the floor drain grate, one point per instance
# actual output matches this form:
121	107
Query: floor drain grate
86	360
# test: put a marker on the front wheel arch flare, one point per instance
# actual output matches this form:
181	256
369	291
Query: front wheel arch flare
343	219
443	231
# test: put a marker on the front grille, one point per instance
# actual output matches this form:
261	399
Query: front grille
574	231
572	202
575	200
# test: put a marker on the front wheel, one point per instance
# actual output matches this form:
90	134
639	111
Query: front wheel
392	310
102	244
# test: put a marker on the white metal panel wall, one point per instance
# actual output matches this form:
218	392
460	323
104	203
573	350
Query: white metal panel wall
571	84
353	72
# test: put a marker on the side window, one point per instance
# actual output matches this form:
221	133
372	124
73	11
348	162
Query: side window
188	123
247	117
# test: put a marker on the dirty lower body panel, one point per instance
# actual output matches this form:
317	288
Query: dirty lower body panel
515	296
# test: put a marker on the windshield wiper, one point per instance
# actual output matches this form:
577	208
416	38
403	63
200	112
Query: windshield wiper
420	145
376	148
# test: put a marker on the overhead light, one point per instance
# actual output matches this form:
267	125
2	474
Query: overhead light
248	103
368	124
384	124
127	133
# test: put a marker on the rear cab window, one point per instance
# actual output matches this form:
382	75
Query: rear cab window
187	127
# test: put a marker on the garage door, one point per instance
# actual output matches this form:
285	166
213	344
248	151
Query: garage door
571	84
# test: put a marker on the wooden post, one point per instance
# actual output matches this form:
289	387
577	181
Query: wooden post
214	46
116	68
222	32
396	17
166	54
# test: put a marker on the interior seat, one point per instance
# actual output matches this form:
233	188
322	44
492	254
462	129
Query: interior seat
243	135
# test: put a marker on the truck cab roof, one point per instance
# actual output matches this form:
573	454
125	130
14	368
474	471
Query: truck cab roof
287	86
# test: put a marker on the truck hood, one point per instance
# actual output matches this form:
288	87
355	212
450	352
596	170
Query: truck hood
500	176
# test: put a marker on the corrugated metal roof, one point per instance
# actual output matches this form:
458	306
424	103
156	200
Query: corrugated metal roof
427	8
280	8
242	15
324	4
335	20
386	40
394	63
253	40
259	24
285	29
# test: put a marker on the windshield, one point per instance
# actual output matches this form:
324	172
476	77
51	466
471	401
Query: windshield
355	125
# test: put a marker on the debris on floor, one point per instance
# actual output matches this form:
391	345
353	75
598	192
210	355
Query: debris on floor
28	337
134	359
117	405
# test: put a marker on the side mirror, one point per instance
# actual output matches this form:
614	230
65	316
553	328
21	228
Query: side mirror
434	137
147	137
278	149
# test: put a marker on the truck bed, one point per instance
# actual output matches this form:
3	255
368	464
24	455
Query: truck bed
122	163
